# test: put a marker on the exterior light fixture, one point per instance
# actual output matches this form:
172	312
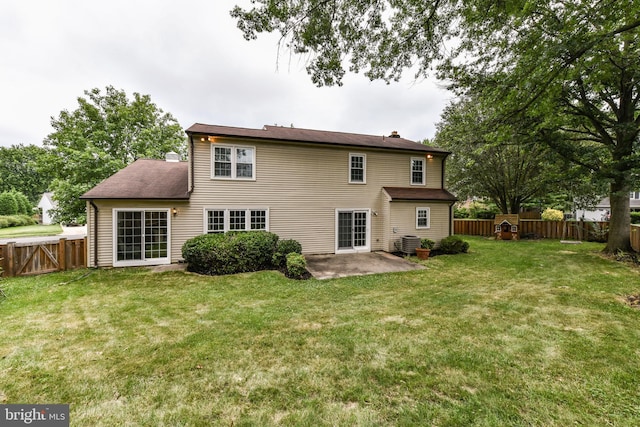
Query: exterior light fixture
429	156
174	211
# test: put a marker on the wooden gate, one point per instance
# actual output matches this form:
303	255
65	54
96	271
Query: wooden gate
24	259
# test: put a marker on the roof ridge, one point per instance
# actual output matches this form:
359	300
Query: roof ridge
329	131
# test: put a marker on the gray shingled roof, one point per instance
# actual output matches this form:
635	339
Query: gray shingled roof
280	133
145	179
406	193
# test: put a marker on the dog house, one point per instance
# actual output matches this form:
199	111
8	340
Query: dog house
506	226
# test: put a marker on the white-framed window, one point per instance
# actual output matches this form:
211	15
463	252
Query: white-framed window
357	168
423	218
233	162
220	220
417	171
141	237
635	195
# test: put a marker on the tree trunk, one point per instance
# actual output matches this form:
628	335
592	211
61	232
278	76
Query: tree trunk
620	222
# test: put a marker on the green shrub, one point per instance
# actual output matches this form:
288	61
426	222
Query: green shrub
230	253
8	203
24	206
552	215
460	213
427	243
596	233
296	265
635	217
479	210
453	245
284	248
16	221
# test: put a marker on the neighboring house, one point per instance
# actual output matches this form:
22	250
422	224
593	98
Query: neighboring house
602	210
46	205
333	192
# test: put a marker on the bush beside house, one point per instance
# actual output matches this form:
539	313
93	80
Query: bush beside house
283	248
296	266
240	252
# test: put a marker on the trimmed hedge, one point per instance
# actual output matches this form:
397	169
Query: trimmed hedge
284	248
16	221
296	265
453	245
230	253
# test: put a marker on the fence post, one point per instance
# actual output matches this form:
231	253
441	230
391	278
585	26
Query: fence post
9	259
85	252
62	254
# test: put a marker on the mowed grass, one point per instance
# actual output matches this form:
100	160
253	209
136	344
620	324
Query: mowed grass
30	231
513	333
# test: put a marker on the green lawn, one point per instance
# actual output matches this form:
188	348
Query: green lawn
513	333
30	231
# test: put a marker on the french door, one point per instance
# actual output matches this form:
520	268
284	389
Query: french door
352	230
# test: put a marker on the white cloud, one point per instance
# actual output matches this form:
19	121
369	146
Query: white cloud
192	61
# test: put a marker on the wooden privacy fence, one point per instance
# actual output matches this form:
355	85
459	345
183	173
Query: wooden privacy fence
635	237
574	230
24	259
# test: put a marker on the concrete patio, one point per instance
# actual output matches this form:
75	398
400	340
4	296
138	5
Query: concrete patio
345	265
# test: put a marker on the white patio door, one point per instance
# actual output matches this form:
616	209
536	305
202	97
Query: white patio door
141	237
352	230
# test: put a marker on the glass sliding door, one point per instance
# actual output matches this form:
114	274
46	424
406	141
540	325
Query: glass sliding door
141	237
129	234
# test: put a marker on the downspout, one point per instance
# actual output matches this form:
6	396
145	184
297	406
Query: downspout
191	165
451	218
444	159
95	232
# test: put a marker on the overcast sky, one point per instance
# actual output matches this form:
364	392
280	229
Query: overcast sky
191	59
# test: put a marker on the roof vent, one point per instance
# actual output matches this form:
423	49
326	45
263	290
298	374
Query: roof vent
394	134
172	157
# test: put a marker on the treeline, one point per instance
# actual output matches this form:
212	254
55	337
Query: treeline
107	131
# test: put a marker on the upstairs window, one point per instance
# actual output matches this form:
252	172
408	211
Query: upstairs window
357	169
233	162
417	171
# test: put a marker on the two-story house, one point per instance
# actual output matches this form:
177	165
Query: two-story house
333	192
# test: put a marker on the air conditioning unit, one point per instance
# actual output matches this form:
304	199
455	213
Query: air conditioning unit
409	244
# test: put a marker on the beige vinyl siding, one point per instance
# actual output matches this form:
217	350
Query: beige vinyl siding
403	219
303	185
179	233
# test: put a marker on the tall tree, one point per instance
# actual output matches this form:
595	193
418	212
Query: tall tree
22	168
105	133
573	62
505	162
